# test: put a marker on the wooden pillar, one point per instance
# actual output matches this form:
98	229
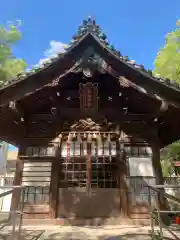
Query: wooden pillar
55	169
18	178
122	173
158	173
156	164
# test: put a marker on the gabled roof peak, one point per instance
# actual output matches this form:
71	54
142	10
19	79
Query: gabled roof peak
90	26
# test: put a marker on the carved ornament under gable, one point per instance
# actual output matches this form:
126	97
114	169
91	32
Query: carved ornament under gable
86	125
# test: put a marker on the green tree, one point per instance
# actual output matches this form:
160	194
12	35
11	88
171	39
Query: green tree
167	64
10	66
170	154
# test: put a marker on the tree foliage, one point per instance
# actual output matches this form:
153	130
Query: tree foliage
167	64
9	64
170	154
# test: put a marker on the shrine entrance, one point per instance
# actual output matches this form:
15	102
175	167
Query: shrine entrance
88	176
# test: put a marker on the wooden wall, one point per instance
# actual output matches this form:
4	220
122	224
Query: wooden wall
37	177
36	173
129	197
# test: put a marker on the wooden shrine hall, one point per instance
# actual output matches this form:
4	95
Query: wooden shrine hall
87	122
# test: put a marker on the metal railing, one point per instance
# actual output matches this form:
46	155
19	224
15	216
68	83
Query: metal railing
157	216
9	224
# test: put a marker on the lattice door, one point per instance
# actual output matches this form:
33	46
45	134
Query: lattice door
82	161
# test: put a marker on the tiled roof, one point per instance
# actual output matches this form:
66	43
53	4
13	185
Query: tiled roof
90	26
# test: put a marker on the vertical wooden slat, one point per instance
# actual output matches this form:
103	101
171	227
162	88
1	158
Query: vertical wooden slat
54	184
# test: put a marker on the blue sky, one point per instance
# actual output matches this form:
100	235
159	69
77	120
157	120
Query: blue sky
136	28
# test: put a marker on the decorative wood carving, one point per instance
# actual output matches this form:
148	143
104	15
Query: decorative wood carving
86	125
90	63
88	97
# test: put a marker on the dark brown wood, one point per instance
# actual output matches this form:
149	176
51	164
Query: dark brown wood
122	174
156	163
88	97
103	111
157	168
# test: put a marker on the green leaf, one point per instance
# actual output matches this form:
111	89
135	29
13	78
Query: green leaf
167	62
9	65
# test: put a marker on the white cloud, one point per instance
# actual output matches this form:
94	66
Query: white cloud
55	47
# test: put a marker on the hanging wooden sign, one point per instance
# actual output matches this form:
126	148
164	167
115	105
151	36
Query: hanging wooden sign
88	97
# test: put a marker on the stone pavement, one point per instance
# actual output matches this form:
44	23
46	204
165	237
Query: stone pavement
87	233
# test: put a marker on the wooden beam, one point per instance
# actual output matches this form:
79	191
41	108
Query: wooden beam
124	82
71	112
163	108
110	112
119	115
42	116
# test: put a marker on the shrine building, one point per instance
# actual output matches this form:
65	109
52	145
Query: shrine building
88	122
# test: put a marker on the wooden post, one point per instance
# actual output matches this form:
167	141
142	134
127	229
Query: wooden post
122	173
55	183
18	178
158	173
